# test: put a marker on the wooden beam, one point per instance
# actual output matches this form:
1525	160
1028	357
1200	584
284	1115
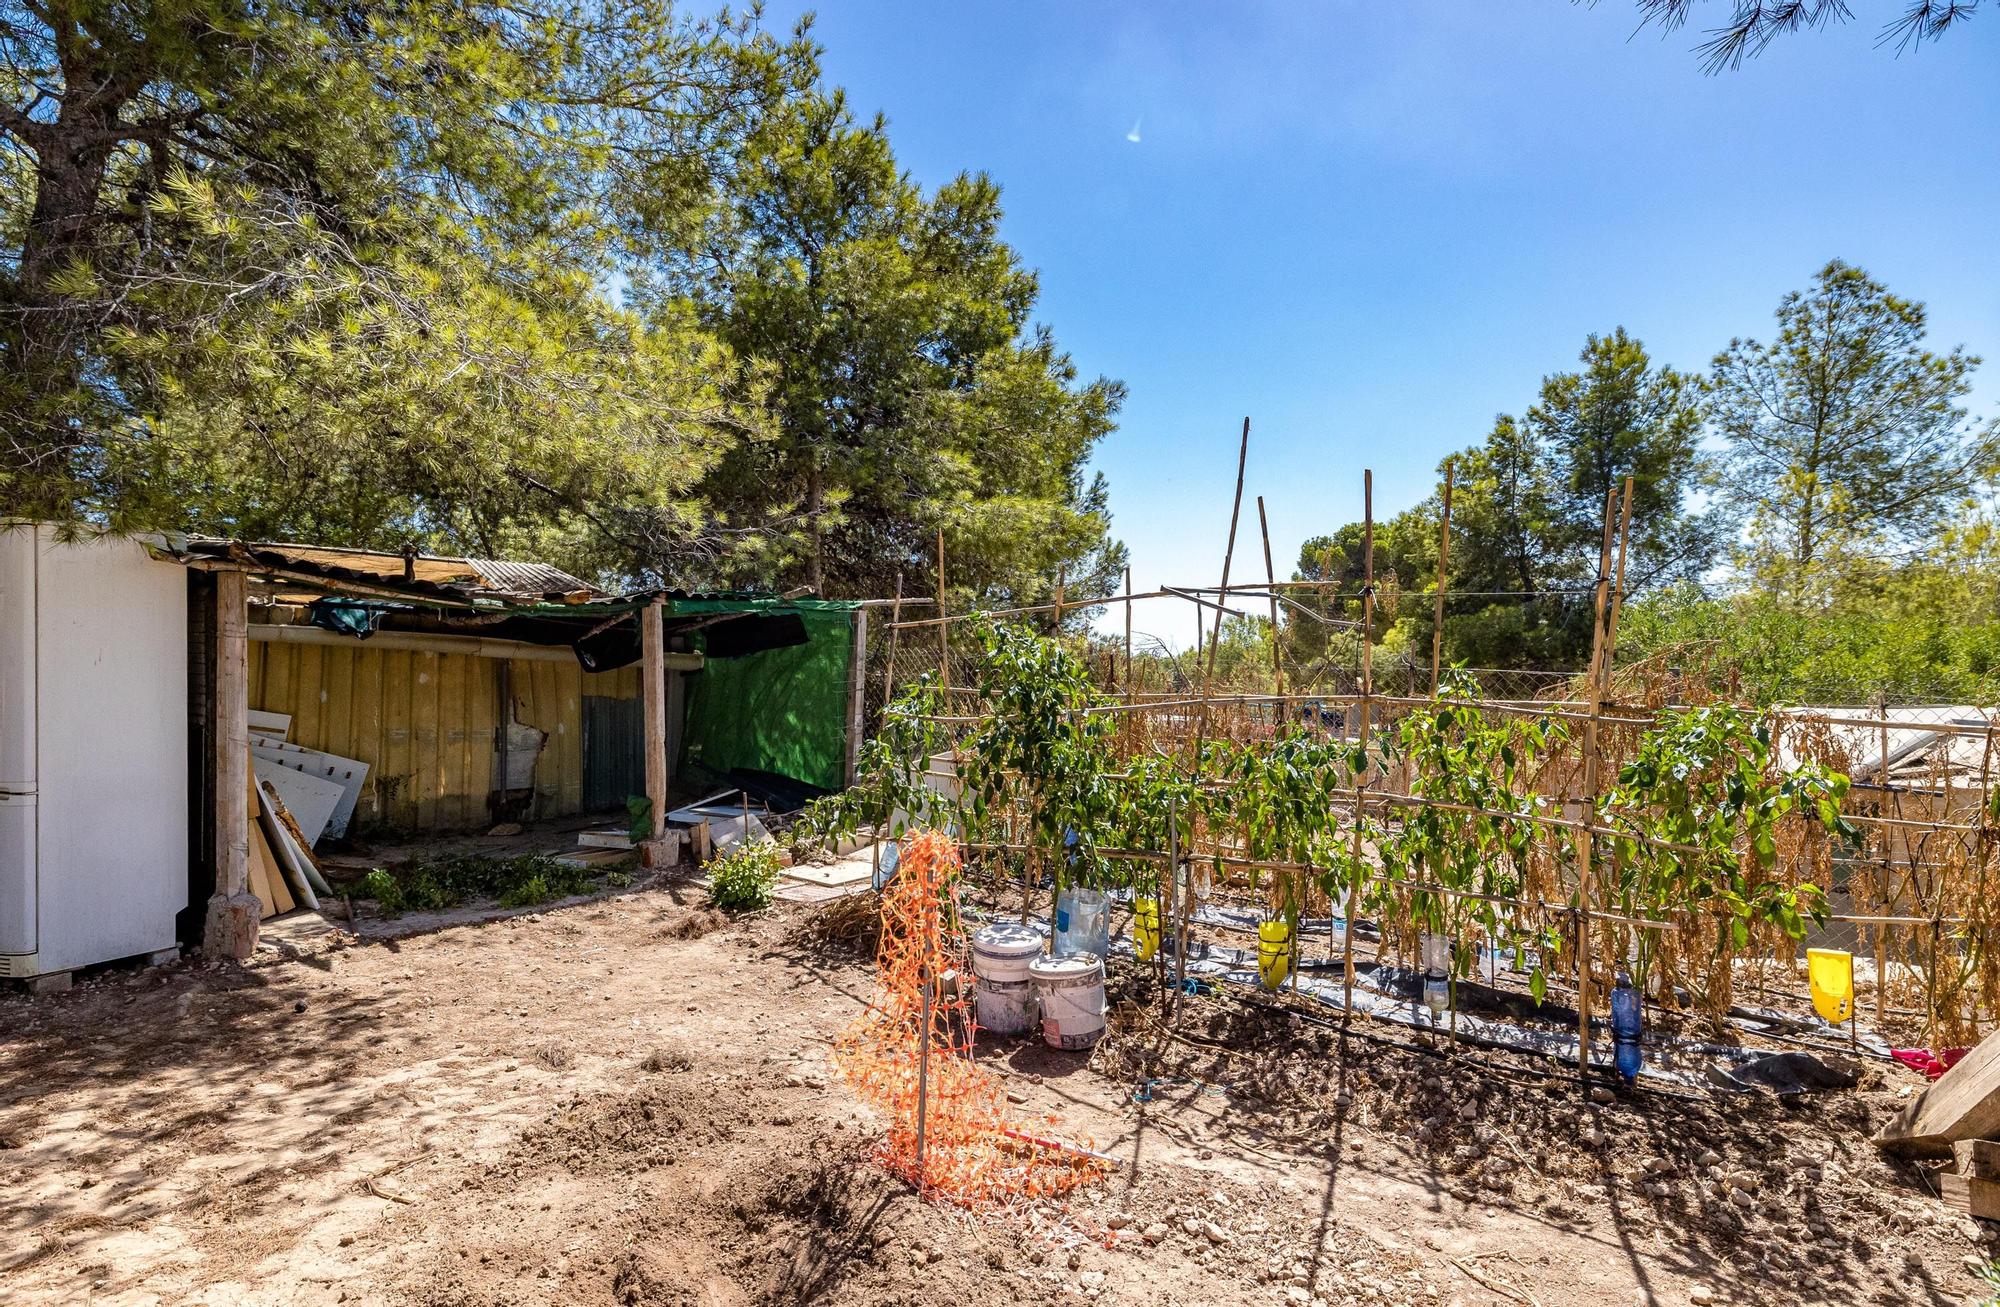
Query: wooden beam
653	687
466	646
1963	1104
230	928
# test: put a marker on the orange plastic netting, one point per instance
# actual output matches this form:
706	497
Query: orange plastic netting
973	1152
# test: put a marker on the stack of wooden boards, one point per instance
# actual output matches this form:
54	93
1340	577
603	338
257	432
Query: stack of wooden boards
297	797
1958	1118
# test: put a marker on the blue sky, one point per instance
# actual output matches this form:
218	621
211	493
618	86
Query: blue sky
1370	227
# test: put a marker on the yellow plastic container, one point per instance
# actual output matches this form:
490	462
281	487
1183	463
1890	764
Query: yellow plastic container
1830	973
1146	928
1274	953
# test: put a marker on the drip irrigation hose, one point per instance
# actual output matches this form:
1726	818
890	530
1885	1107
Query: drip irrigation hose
1441	1054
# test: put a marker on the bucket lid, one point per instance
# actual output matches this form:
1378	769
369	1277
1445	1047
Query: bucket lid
1066	966
1007	939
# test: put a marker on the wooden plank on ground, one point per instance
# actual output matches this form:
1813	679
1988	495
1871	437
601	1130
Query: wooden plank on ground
1964	1103
1978	1159
1980	1198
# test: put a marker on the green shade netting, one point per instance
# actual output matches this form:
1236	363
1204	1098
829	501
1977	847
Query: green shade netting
783	710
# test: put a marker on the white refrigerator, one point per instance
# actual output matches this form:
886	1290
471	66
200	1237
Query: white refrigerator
93	750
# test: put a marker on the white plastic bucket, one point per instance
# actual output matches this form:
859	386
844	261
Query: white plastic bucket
1070	988
1083	922
1005	999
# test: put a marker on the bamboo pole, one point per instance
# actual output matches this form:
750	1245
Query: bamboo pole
889	671
1228	557
944	628
1128	637
1180	906
1444	563
888	697
1367	696
1882	932
1588	862
1540	905
1617	588
1271	576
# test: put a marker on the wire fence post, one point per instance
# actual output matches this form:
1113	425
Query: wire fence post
923	1075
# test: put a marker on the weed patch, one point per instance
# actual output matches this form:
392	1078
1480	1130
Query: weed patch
432	884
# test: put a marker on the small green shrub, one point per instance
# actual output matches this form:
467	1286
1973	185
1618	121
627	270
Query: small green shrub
742	879
382	887
533	890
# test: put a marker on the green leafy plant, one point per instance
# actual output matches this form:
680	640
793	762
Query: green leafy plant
1700	807
889	790
1474	837
380	886
742	879
1038	747
1280	798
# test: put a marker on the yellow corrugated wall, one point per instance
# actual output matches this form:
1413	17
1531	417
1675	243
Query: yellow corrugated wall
426	724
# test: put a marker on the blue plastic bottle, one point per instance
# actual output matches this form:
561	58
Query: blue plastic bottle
1626	1022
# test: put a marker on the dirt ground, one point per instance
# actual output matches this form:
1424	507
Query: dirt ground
628	1100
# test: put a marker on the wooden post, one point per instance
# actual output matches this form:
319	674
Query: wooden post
857	694
230	927
1367	694
1588	869
1444	566
1055	619
653	691
1271	579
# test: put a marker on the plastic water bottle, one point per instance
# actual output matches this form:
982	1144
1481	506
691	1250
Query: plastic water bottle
1437	992
1626	1021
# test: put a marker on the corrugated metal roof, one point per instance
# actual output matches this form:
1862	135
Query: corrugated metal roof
530	578
463	579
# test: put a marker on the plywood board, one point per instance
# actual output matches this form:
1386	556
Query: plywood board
278	724
310	799
266	881
847	871
349	773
